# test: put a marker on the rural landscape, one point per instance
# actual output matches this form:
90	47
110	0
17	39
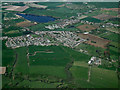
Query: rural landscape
60	45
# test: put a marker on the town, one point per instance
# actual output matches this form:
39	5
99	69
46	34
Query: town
46	38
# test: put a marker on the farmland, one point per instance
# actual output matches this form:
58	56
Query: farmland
90	19
97	76
60	45
25	24
86	27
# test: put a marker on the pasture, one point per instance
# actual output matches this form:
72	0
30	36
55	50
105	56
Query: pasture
48	63
101	78
21	65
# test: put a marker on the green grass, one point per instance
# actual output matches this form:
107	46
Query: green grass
105	4
21	64
10	15
100	78
91	49
80	75
50	64
37	84
12	22
46	12
78	56
7	55
90	19
55	71
110	36
54	58
99	11
114	53
104	78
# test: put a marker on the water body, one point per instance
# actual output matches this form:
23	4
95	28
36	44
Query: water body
35	18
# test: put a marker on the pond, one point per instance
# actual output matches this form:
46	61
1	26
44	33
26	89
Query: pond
39	19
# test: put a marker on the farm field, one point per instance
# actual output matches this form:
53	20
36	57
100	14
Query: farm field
110	36
62	45
48	63
91	19
98	78
99	11
86	27
21	61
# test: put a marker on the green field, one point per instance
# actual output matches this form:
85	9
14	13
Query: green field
99	77
50	12
21	62
12	31
99	11
60	66
90	19
110	36
105	4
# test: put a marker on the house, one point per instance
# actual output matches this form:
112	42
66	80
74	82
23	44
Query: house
95	61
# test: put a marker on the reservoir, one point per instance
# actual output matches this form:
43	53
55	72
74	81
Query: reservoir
39	19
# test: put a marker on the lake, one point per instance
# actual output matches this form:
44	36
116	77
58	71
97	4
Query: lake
39	19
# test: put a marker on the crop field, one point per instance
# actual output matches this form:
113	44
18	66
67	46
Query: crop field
86	27
91	49
104	17
48	63
25	24
12	22
98	78
94	40
37	84
105	4
110	36
11	32
7	56
111	9
21	61
49	58
116	30
90	19
99	11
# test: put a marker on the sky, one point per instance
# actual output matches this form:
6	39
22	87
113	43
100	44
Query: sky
66	0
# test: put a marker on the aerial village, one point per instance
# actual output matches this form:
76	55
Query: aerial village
75	31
